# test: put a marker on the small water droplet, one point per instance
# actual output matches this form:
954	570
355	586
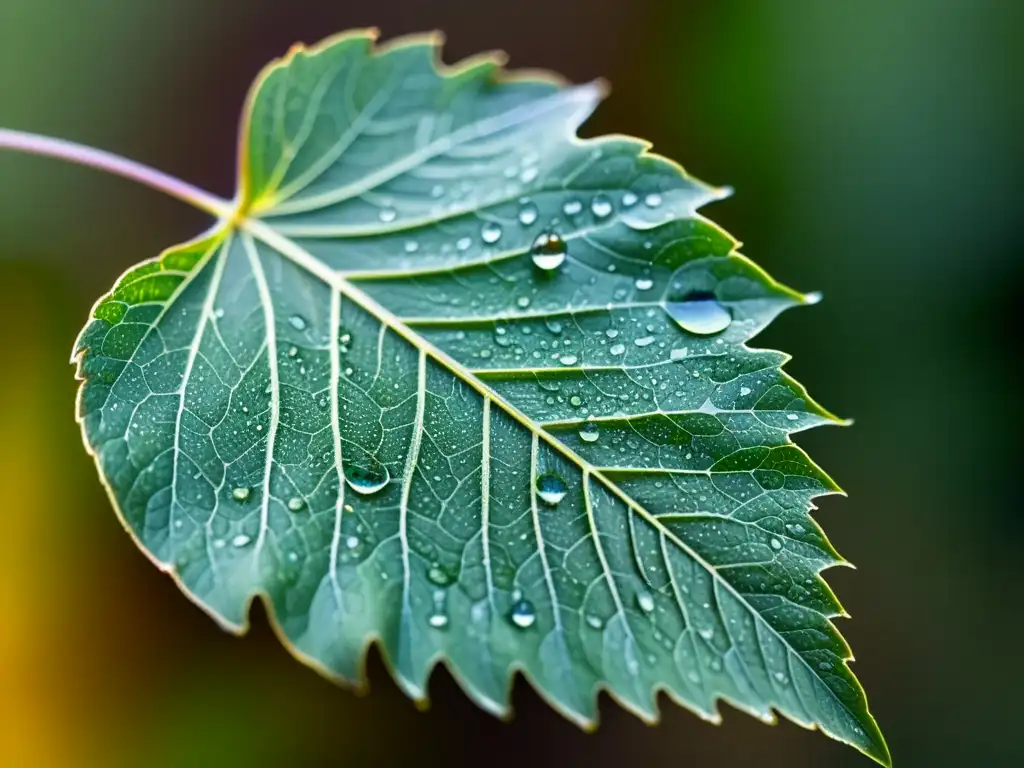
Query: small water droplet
528	174
367	481
438	575
601	206
568	359
611	333
575	401
594	622
528	214
645	601
629	200
298	322
644	341
551	489
700	314
744	391
678	353
706	634
240	540
644	283
617	349
295	503
240	494
792	416
411	246
218	313
523	614
776	544
438	620
463	243
548	251
824	666
387	214
653	200
523	302
572	207
490	232
589	432
352	542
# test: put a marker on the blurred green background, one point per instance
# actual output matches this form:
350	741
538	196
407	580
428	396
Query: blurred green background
876	148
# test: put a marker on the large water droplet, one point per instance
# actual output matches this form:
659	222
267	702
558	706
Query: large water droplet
528	214
601	206
240	494
617	349
644	283
700	313
629	200
568	359
653	200
295	503
298	322
240	540
589	432
438	620
548	251
367	481
523	614
388	214
551	489
490	232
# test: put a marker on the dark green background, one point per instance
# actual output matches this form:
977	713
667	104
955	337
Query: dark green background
876	148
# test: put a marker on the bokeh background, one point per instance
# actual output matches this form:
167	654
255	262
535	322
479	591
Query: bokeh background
876	148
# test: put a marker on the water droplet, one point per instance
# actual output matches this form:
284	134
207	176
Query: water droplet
218	313
645	601
617	349
601	206
706	634
295	503
240	494
527	214
572	207
792	416
644	283
653	200
589	432
240	540
824	666
644	341
744	391
568	359
551	489
352	542
298	322
367	481
678	353
575	401
611	333
490	232
411	246
437	191
629	200
813	297
594	622
523	615
463	243
388	214
528	175
780	677
548	251
438	621
438	575
523	302
700	314
776	544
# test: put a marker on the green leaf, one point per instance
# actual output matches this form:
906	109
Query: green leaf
457	381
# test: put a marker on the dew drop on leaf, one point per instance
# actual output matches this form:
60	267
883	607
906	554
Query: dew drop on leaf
653	200
644	283
240	494
527	213
645	601
548	251
295	503
572	207
589	432
700	314
594	622
523	614
551	489
387	214
366	481
438	576
601	206
240	540
629	200
490	233
298	322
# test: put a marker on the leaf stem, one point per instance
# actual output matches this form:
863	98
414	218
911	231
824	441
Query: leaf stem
34	144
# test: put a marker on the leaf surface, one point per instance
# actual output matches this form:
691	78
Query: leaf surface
457	381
